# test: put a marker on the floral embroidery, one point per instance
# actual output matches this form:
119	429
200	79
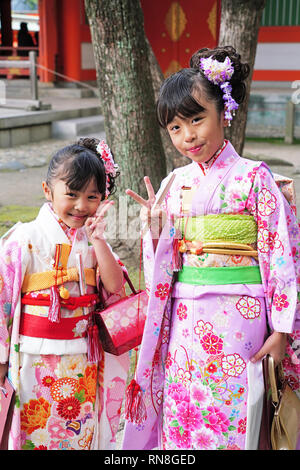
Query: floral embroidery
249	307
266	202
212	344
181	311
162	291
68	412
280	302
35	414
242	426
233	365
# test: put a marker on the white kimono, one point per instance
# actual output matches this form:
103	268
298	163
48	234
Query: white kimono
63	401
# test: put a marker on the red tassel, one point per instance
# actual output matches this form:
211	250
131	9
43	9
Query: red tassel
135	409
54	309
94	346
176	255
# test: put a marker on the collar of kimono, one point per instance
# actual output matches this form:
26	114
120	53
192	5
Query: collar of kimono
205	166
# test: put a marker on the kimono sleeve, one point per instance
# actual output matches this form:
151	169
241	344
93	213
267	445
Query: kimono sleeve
13	261
148	248
278	244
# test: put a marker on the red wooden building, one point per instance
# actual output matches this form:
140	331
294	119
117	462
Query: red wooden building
175	30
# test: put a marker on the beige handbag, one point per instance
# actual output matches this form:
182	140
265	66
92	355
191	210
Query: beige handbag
285	427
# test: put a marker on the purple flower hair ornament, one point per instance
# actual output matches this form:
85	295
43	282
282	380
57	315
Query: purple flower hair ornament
219	73
110	166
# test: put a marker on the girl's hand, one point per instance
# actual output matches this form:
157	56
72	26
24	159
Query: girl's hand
95	226
274	345
3	372
151	216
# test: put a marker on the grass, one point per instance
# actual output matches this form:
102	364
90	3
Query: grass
271	140
10	215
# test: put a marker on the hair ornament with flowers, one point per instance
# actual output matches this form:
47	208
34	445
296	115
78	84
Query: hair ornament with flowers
110	166
219	73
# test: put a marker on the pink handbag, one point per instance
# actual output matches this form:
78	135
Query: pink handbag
121	324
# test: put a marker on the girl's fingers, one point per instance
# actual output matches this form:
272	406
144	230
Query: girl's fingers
103	208
150	189
137	198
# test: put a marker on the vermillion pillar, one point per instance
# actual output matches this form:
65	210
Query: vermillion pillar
48	39
70	37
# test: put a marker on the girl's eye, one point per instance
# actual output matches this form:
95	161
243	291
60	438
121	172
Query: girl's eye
173	128
197	119
71	194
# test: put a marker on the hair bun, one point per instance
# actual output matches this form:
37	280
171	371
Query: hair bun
89	143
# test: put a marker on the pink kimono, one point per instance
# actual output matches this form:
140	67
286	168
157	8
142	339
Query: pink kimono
200	389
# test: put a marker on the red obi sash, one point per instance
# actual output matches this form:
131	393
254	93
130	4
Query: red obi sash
67	328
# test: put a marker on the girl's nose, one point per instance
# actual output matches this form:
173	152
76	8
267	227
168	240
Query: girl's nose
189	134
80	204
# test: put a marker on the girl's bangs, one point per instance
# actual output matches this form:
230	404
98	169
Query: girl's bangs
79	172
176	99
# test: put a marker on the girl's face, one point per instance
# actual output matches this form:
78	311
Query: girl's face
200	136
73	207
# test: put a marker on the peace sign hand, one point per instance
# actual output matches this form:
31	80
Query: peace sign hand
95	226
151	213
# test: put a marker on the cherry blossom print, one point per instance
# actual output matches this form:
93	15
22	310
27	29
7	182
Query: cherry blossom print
202	328
181	438
275	242
189	416
181	311
211	343
216	420
242	425
162	291
200	394
266	202
177	391
205	439
249	307
280	302
184	376
263	240
233	365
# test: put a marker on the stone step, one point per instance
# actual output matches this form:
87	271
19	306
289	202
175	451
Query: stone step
78	127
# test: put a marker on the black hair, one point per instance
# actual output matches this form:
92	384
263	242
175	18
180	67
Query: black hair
78	164
177	93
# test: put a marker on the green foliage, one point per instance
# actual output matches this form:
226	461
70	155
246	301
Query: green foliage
10	215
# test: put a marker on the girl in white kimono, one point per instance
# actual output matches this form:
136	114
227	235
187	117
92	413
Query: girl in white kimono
68	392
221	263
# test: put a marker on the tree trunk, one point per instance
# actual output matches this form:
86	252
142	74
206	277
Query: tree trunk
173	158
126	91
240	22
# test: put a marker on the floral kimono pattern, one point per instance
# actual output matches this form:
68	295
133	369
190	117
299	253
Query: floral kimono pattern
63	402
200	389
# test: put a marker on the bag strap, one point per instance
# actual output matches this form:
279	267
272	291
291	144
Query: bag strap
100	293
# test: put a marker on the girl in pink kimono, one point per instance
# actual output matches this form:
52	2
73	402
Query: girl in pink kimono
68	392
221	262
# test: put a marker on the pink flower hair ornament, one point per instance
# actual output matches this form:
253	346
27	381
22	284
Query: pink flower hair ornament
219	73
110	166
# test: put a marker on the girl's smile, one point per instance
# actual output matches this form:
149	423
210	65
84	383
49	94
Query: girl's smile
73	207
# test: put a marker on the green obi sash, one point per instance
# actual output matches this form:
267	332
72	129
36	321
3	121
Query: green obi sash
221	275
235	228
